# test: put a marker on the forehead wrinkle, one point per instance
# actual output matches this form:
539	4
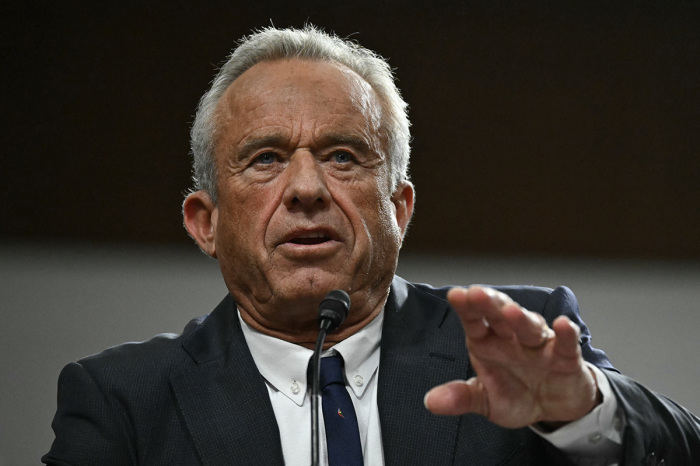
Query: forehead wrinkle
329	138
253	143
358	94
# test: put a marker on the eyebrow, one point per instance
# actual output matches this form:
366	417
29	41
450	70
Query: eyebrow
334	138
253	144
324	140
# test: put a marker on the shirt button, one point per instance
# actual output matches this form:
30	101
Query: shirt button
595	438
295	387
358	380
617	423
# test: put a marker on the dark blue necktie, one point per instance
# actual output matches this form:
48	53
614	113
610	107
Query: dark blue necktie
342	434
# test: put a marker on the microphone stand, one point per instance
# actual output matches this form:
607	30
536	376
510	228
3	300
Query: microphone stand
331	315
315	382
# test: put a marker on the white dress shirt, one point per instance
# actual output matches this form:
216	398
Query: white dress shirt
593	440
283	365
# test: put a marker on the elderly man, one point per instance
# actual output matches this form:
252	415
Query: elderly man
300	158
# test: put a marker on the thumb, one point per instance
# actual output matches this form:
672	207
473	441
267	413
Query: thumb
458	397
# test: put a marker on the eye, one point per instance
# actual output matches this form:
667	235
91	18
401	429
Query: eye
266	158
342	156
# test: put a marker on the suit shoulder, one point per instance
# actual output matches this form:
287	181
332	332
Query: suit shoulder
153	358
534	298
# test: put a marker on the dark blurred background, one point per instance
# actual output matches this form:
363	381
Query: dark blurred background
540	127
555	142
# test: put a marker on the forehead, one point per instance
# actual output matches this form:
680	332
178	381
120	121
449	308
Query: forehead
295	90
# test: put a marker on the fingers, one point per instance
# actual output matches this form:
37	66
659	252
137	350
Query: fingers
530	327
485	311
568	334
480	311
458	397
567	351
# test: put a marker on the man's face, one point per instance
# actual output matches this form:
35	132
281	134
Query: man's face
304	201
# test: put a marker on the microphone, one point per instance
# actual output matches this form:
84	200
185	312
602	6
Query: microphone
333	310
331	315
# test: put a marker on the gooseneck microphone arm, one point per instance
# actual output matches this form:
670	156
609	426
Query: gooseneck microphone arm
331	314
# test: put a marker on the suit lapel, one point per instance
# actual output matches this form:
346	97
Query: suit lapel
422	346
223	398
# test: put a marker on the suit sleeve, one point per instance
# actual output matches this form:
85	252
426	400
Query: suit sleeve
562	301
657	429
87	430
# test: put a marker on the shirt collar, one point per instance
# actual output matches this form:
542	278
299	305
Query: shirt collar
360	352
283	364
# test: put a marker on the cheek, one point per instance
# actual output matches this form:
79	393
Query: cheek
381	245
379	220
247	216
388	224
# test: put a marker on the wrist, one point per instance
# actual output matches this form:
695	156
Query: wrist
597	399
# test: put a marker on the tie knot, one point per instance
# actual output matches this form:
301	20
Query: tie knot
331	371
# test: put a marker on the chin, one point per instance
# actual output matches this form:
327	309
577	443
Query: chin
312	286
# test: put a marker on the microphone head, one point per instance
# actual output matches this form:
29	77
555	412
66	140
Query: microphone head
334	309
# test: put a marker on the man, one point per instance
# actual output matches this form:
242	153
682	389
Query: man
300	159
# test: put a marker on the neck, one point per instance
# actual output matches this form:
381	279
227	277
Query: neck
306	336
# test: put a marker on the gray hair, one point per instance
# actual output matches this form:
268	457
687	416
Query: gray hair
309	43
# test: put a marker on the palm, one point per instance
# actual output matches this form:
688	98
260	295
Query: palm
526	372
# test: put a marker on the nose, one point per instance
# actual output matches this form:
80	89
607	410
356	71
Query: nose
306	185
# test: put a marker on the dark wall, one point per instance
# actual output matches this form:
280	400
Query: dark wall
539	127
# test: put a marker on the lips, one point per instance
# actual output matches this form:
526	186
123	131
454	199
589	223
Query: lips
310	236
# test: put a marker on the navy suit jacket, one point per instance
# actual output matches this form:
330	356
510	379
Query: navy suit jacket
198	398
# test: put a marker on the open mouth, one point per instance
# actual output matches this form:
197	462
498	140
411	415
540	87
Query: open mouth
310	239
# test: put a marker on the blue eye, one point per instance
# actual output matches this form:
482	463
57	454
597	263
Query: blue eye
266	158
342	156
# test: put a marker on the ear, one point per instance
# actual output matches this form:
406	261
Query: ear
403	199
201	214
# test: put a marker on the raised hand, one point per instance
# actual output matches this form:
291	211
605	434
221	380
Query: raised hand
526	371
